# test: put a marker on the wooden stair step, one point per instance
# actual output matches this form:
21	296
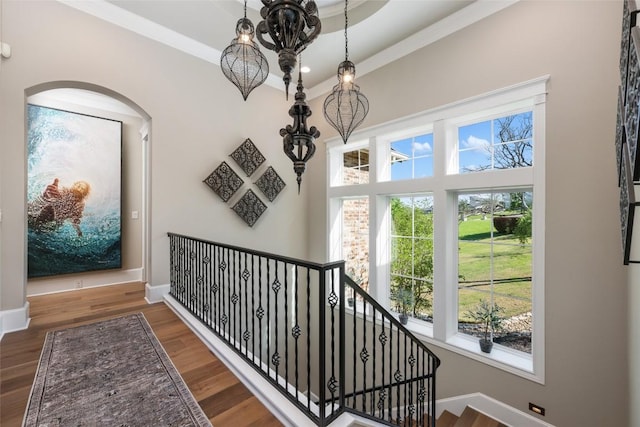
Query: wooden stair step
446	419
472	418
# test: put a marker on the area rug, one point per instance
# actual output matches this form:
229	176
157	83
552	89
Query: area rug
110	373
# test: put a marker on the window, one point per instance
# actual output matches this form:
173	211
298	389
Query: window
495	264
445	204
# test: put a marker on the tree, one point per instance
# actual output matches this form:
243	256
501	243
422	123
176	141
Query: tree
412	253
513	143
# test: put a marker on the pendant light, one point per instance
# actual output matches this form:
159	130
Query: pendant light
346	107
242	62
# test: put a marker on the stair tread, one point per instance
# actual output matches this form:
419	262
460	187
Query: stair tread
446	419
472	418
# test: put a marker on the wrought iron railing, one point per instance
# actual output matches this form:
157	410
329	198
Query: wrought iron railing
309	330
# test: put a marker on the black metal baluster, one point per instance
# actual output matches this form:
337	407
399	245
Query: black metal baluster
383	391
354	383
372	398
406	376
245	334
253	309
390	405
286	327
322	310
269	319
260	312
364	356
295	332
342	344
333	300
309	341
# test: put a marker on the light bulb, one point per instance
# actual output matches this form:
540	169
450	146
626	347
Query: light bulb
347	78
244	38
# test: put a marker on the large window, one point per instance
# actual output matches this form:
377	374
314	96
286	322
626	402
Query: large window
444	212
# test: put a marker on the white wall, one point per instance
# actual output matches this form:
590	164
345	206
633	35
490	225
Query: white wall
577	44
197	119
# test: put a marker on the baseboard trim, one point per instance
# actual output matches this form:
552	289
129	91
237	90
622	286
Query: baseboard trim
52	285
14	320
154	294
489	406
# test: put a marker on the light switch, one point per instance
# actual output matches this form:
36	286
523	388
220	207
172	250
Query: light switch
134	214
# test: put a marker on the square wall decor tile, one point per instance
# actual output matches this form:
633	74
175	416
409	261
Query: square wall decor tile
270	184
224	181
249	208
248	157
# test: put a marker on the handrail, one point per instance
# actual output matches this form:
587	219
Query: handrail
269	308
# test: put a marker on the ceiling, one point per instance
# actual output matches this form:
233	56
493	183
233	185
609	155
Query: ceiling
380	31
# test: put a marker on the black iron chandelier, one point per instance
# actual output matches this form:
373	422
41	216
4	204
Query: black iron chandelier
292	25
346	107
298	139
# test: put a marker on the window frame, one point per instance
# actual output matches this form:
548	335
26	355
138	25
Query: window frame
445	185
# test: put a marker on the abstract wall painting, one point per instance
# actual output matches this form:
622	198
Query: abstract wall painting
73	192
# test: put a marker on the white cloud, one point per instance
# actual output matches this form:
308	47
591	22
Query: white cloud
421	146
476	143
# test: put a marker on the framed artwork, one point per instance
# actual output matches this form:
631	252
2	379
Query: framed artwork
629	17
73	192
248	157
224	181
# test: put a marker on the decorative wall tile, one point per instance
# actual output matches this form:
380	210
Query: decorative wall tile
248	157
249	207
270	183
224	181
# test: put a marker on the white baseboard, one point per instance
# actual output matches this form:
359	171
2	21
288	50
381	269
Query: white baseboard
491	407
14	320
52	285
154	294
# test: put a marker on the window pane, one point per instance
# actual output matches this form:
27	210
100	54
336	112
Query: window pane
495	263
411	270
355	167
412	157
355	240
502	143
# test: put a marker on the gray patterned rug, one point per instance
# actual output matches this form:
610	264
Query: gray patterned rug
110	373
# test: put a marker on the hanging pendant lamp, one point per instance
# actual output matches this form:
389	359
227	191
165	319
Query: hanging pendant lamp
242	62
291	25
298	138
346	107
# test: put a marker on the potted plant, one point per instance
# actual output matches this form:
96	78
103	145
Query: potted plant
404	301
490	318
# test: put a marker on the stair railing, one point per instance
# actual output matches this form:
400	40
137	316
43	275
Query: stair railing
290	320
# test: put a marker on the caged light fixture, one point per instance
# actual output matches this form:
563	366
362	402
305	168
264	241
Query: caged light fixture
292	25
242	62
346	107
298	138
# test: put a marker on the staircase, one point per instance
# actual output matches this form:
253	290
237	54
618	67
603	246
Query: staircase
309	330
469	418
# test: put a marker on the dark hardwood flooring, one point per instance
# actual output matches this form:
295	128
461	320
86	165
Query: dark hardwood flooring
224	399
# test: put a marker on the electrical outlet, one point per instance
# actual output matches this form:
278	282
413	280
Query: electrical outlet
78	284
537	409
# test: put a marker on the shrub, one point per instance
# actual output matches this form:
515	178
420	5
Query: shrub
506	224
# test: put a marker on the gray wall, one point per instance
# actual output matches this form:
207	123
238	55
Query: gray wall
577	44
197	119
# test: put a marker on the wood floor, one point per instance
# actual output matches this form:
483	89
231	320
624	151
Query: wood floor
224	399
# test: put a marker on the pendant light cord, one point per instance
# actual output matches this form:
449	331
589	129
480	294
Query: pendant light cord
346	24
245	9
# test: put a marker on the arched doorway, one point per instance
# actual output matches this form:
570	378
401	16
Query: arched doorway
90	99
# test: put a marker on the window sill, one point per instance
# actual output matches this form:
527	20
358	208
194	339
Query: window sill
501	357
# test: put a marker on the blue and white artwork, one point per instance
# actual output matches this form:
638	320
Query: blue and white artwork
73	192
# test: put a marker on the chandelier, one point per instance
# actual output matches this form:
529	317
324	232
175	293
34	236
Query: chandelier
346	107
298	138
242	62
292	25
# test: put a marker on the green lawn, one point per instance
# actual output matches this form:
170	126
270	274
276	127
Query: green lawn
511	268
